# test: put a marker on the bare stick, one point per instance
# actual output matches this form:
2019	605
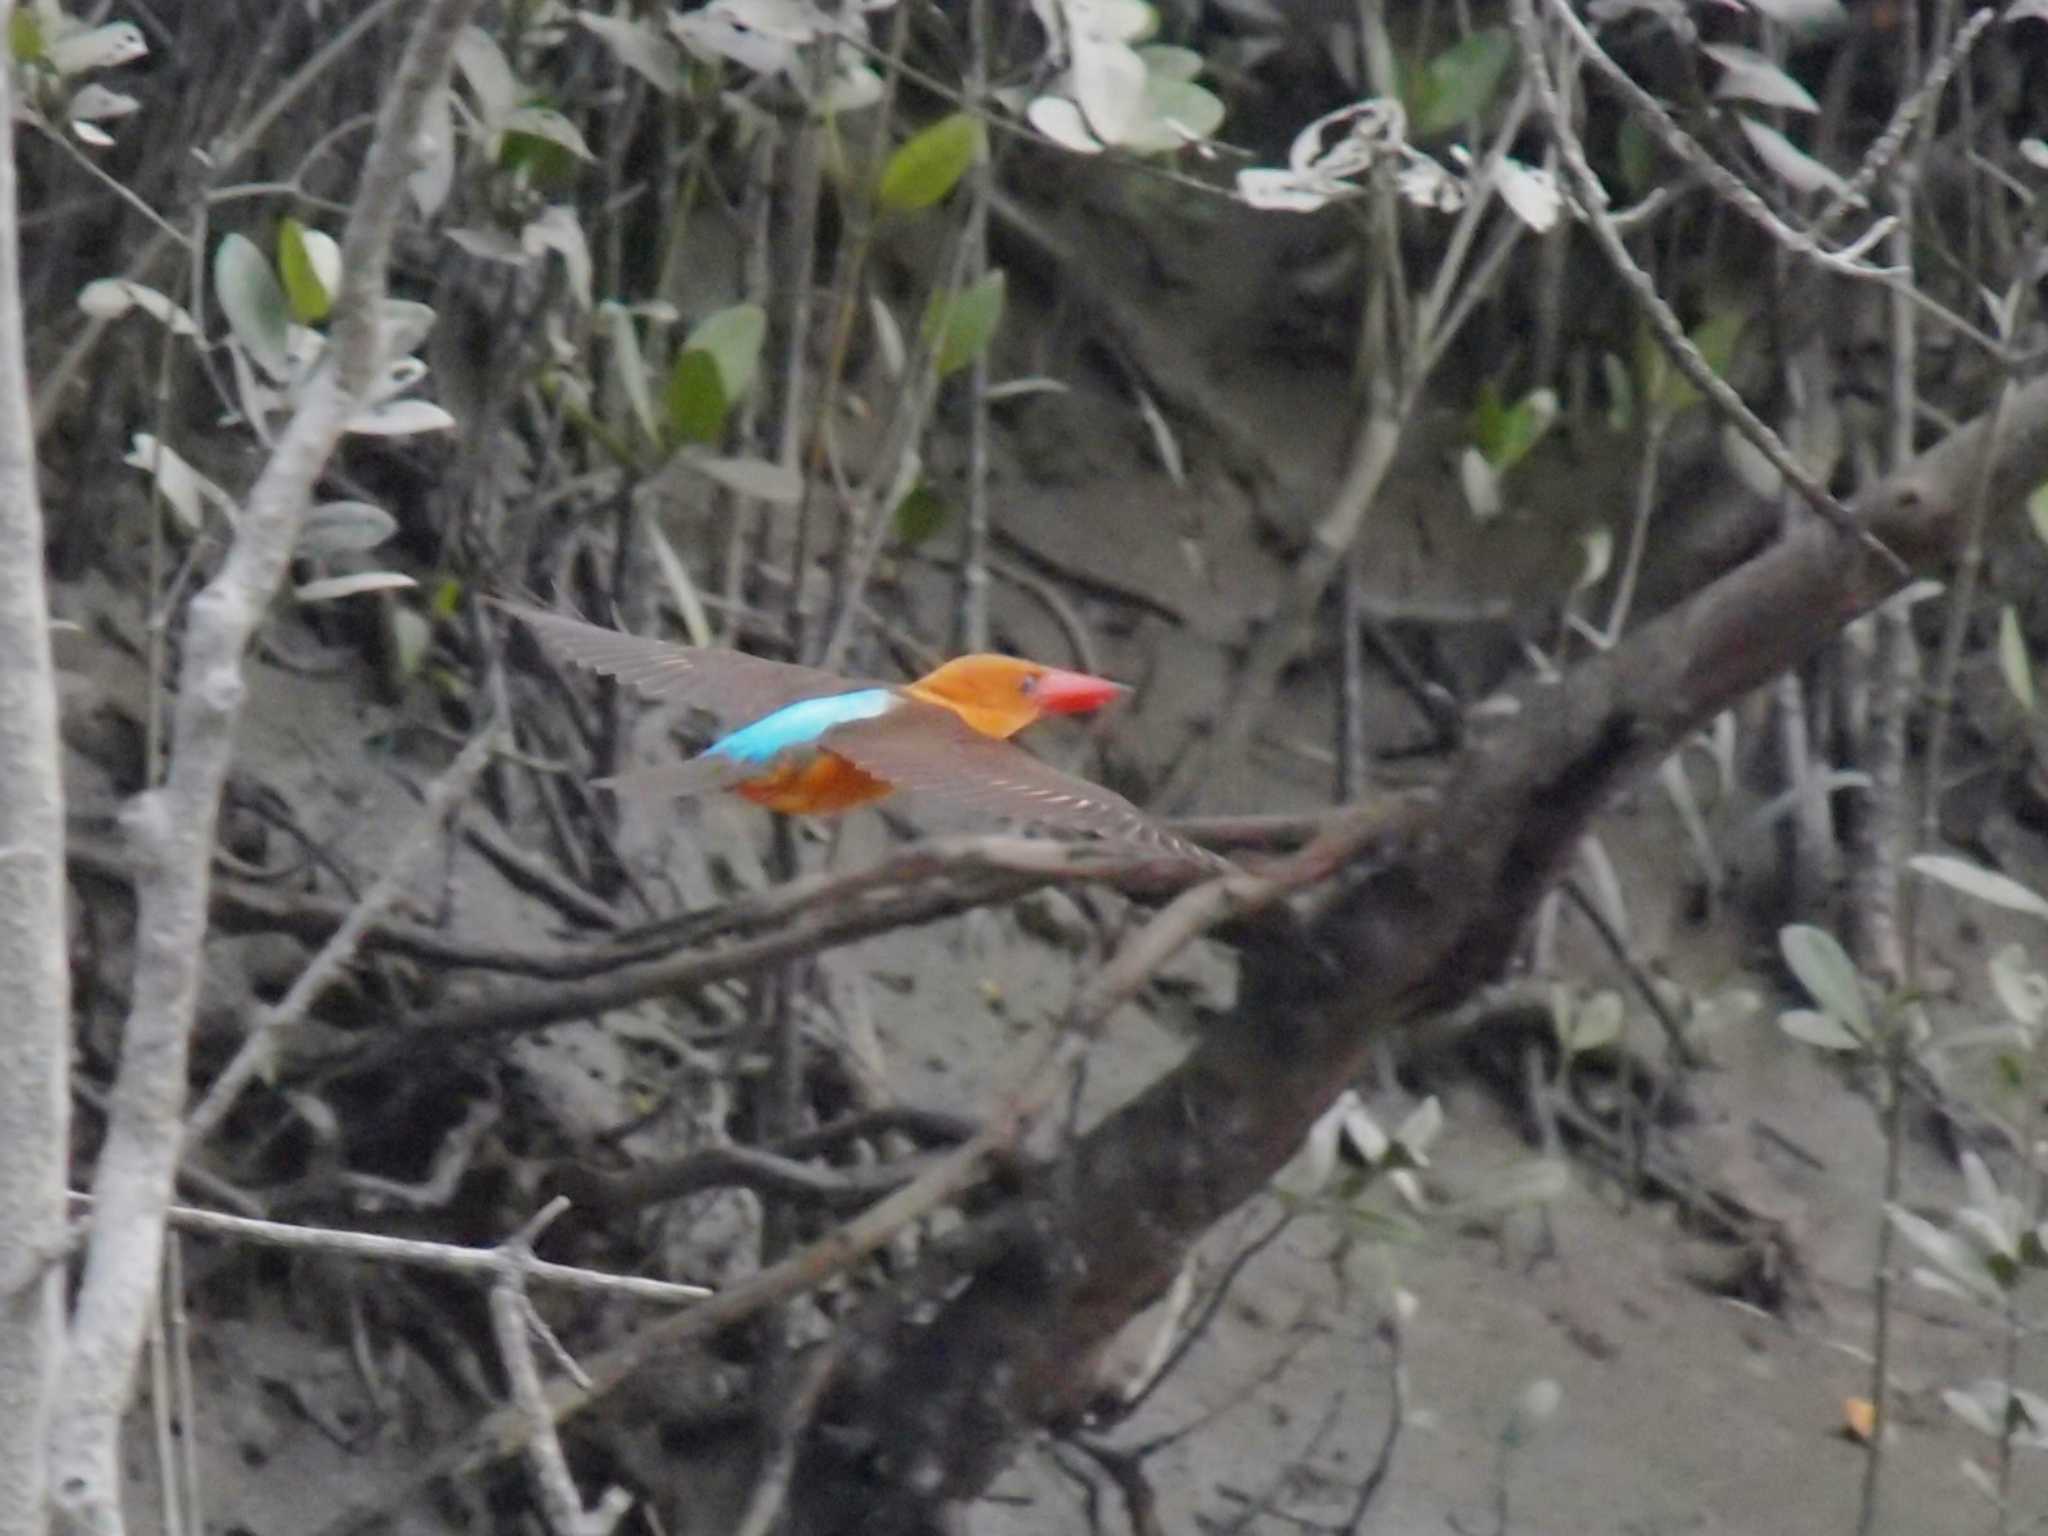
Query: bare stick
449	1258
259	1051
35	1043
805	916
503	1432
173	826
511	1319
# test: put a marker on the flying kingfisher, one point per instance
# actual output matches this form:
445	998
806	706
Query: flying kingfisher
817	744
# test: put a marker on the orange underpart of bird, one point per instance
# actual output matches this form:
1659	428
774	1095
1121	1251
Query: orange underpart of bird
817	744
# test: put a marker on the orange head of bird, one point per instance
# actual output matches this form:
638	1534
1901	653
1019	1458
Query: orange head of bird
1000	695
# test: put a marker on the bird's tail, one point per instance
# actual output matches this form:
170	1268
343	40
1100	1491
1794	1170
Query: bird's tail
706	774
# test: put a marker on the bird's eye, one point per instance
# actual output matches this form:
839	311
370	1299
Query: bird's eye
1028	685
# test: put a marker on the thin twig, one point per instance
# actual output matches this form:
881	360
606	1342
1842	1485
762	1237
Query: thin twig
512	1322
813	1373
1664	323
258	1052
448	1258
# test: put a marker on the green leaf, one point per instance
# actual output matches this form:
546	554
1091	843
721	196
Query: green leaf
697	402
1504	433
1621	393
920	514
733	338
1714	338
1460	83
965	323
930	164
2013	660
254	304
307	294
1488	421
1717	335
542	146
2037	504
548	124
1637	153
1826	971
25	36
447	597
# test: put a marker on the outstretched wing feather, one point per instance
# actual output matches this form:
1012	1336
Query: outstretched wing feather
729	684
928	750
704	774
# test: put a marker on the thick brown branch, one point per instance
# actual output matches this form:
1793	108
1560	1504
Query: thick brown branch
1431	923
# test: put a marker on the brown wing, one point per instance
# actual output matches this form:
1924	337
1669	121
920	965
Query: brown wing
730	684
929	750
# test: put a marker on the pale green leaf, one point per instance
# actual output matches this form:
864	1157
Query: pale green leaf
254	304
1748	76
1424	1123
488	74
1792	165
1984	884
343	527
630	368
1826	971
1061	121
400	418
1163	61
328	588
2020	988
2014	663
108	298
732	336
1953	1258
1178	113
118	42
696	623
558	230
1824	1030
1596	1024
753	477
186	491
640	48
412	637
